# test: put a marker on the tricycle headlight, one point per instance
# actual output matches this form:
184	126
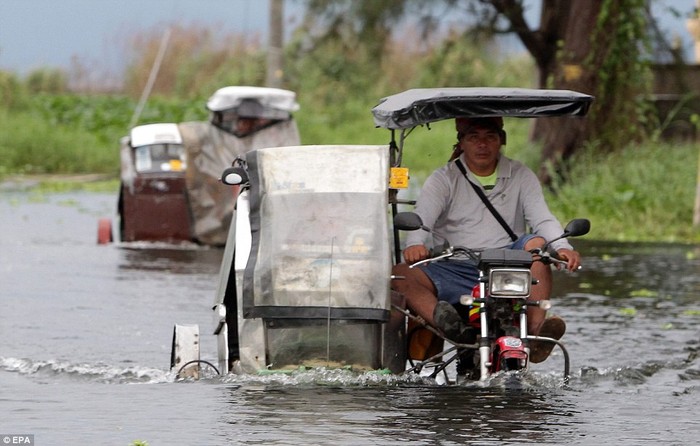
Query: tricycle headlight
510	282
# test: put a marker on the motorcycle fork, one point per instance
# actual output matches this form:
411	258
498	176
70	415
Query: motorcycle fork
484	342
523	331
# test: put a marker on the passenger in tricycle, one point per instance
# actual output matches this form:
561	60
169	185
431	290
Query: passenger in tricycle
453	203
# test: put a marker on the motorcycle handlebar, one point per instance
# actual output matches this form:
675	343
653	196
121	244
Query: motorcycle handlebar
447	253
548	257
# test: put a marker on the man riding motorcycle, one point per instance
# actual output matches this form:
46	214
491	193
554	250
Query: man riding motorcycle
480	199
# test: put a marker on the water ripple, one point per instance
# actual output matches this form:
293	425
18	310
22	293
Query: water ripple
103	373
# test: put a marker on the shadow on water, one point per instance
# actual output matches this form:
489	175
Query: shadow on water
185	259
409	413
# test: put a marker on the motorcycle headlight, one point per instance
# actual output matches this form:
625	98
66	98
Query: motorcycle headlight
510	282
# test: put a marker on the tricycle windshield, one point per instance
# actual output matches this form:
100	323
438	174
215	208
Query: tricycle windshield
318	232
160	158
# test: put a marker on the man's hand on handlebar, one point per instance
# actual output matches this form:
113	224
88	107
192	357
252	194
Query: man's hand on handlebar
415	253
572	258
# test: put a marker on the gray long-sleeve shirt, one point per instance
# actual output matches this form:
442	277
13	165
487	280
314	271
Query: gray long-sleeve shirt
451	207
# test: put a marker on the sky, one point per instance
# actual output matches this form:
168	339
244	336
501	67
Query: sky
50	33
40	33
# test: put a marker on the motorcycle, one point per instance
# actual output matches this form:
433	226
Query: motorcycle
497	307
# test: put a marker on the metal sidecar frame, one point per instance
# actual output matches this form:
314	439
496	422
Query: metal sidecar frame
305	276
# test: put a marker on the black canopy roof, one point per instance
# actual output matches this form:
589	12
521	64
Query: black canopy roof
424	105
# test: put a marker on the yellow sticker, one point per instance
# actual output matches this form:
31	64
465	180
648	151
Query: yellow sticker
399	178
176	165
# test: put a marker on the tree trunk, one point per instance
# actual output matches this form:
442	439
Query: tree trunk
561	136
570	21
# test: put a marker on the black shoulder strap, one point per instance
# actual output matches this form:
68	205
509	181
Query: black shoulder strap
486	201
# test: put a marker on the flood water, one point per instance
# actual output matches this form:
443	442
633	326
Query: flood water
85	334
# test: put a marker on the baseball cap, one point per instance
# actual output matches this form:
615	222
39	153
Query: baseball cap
492	122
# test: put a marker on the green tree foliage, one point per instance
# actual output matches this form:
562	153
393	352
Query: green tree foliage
369	22
604	41
623	78
459	61
602	54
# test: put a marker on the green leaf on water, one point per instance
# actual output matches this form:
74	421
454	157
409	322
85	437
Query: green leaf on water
644	293
628	311
691	313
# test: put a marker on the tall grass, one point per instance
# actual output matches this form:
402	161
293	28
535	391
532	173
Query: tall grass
33	146
67	133
641	193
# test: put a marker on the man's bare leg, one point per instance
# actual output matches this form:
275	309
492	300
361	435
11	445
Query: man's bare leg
536	317
541	291
417	288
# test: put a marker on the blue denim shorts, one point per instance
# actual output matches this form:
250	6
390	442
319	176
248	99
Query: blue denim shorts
455	278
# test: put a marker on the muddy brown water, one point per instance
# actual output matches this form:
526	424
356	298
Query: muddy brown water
86	333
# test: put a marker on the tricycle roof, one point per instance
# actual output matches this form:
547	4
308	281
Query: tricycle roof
227	98
424	105
144	135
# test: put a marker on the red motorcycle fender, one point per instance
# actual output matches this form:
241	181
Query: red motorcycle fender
510	347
